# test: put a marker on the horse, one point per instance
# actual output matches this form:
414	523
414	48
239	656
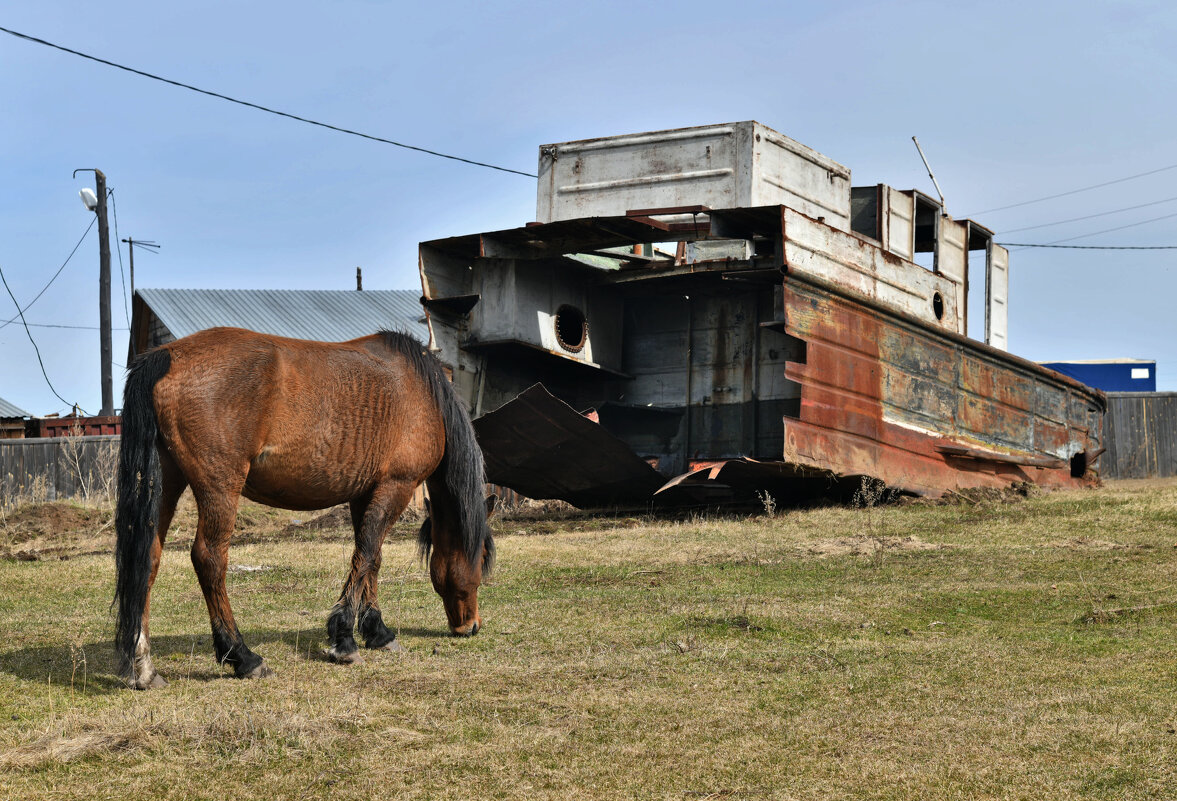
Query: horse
298	425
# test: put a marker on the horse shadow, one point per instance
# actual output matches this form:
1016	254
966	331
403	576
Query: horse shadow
187	657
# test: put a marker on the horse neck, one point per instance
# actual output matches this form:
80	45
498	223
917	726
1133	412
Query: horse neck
446	513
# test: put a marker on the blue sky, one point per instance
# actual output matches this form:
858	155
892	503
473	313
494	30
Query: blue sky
1011	101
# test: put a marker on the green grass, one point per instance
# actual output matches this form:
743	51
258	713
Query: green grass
997	650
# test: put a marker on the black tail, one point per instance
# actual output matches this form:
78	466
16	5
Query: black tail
140	486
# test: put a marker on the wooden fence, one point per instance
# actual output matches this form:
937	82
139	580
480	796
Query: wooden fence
1140	433
58	467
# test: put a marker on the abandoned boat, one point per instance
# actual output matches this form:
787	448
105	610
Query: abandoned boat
704	313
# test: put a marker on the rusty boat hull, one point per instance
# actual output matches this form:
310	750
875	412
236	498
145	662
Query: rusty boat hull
925	410
807	338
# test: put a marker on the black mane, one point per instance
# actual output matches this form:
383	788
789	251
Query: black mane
462	467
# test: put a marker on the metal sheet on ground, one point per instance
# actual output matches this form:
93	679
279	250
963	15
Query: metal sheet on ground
543	448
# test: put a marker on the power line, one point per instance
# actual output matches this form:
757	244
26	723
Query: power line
1089	216
1065	194
1090	247
21	311
122	275
1106	231
246	103
78	327
1117	228
30	335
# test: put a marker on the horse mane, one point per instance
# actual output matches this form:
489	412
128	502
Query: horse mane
462	468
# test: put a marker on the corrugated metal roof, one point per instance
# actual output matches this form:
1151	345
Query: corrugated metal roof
324	315
8	410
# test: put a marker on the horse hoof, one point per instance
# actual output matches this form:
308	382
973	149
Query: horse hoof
154	683
393	646
259	672
345	658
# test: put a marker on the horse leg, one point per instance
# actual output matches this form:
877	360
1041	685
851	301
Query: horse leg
144	675
371	517
371	622
210	556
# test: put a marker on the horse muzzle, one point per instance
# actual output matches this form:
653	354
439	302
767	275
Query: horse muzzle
467	629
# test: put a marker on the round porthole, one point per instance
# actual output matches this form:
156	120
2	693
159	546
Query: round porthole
571	328
938	305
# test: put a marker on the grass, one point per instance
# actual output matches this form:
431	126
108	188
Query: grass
978	650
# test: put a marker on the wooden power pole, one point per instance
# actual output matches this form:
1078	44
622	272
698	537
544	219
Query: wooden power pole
104	295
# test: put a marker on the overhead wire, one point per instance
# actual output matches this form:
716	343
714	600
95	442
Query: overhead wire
1088	217
21	311
118	246
259	107
1058	242
37	350
78	327
1117	228
1071	192
1089	247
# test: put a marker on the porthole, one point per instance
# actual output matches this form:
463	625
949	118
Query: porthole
571	328
938	305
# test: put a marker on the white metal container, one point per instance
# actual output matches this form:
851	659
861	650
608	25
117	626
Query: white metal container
736	165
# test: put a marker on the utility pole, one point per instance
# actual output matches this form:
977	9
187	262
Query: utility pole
138	243
107	409
131	253
152	247
104	296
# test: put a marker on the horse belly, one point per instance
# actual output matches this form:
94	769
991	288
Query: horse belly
274	481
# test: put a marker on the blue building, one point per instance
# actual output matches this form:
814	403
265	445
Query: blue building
1111	375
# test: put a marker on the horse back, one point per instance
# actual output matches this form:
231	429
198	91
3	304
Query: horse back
334	418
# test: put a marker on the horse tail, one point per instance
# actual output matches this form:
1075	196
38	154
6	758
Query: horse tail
140	480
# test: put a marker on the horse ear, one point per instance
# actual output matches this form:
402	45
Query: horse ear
492	502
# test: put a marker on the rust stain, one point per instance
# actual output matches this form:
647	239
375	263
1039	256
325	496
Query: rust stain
881	398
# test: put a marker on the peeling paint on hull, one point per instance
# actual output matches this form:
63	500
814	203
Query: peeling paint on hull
925	411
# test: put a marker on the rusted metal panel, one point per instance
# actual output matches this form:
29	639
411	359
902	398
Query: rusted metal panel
814	249
746	480
952	261
742	164
540	446
885	397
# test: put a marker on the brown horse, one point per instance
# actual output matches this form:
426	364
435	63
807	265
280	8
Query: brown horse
299	425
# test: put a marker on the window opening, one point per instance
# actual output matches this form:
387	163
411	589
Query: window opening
571	328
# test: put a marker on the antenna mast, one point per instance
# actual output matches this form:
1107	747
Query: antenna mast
943	205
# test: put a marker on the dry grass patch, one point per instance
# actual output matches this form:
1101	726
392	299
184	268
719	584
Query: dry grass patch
983	649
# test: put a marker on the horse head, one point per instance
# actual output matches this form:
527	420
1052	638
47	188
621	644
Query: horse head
457	563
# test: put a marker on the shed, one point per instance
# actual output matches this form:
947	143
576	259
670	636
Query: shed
1111	375
160	316
12	420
